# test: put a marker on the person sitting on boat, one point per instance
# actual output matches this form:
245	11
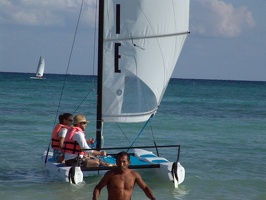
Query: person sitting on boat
58	135
75	141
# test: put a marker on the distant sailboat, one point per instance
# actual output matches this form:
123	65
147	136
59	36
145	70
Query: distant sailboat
40	69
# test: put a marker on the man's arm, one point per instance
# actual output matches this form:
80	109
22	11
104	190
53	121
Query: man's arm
103	182
146	189
79	137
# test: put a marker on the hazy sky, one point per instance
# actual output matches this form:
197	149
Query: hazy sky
227	39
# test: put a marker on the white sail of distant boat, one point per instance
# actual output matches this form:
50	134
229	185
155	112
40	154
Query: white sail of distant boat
139	44
40	69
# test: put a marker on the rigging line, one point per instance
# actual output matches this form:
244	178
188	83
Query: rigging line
152	132
94	50
70	55
95	31
135	45
148	37
141	131
63	87
157	151
94	44
81	102
123	132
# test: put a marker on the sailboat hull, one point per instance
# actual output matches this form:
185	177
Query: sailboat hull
140	159
61	172
37	78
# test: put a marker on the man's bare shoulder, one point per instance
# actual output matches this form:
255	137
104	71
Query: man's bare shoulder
134	173
112	172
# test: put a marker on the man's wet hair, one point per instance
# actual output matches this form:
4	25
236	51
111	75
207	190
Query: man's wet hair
123	153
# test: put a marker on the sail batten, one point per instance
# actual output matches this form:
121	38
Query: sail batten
147	37
133	117
142	41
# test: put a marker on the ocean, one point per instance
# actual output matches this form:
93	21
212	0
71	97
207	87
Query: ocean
220	125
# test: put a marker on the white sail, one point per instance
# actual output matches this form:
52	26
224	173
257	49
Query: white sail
142	42
139	44
40	68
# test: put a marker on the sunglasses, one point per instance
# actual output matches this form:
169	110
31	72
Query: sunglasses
70	120
83	122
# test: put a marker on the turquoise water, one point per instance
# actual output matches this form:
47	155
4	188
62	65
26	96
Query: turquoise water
220	126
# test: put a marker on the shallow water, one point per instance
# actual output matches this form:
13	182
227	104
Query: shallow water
220	126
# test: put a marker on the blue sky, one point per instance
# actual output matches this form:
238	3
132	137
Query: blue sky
227	39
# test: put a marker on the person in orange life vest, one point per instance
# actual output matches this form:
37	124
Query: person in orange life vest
58	135
75	140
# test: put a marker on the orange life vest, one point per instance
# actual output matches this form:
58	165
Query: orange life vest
71	146
55	138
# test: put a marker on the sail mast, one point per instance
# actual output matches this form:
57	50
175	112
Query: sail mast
100	74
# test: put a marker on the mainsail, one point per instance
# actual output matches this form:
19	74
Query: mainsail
40	68
142	40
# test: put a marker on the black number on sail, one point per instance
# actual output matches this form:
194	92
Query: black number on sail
117	57
117	45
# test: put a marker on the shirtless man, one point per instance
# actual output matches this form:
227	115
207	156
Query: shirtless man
121	180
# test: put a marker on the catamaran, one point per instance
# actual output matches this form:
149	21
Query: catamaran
40	69
139	43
